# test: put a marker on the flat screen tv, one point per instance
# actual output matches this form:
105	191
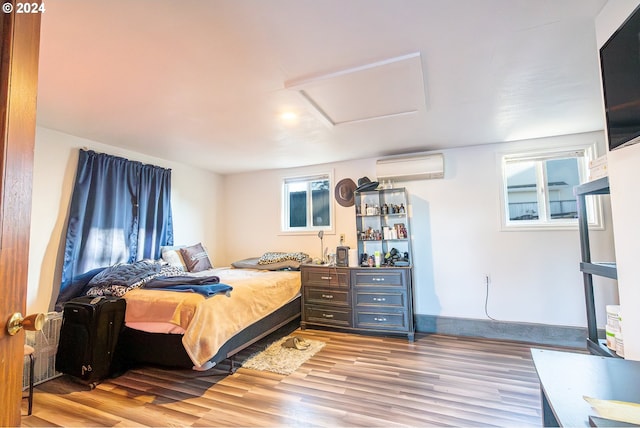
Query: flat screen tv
620	67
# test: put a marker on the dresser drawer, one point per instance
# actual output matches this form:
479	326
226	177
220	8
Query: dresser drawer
381	320
378	277
324	296
329	316
380	298
329	277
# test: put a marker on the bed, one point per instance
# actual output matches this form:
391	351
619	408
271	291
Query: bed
184	313
189	330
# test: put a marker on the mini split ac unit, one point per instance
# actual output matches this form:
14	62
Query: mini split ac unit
411	167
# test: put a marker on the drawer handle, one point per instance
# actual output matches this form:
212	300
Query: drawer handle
377	279
379	319
327	315
327	296
379	299
326	277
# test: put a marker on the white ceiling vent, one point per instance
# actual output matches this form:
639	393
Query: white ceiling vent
411	167
387	88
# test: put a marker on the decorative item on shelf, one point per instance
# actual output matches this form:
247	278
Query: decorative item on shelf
365	185
344	192
395	258
373	210
370	235
400	231
364	260
332	259
342	255
396	209
353	257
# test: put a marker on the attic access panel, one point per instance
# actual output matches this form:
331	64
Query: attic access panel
386	88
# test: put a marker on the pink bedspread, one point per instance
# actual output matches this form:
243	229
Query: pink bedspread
209	323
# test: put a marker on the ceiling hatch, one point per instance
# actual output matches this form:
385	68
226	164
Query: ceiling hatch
382	89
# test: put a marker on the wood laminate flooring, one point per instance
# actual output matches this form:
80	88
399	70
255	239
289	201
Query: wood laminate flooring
355	380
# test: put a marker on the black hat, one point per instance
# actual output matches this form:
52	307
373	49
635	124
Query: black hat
344	192
364	184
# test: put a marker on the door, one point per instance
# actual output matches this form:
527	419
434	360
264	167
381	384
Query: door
18	86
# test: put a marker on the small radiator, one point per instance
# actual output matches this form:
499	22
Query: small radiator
45	343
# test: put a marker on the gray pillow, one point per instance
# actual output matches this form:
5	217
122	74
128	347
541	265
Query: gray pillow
196	258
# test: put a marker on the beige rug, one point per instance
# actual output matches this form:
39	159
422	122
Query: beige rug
278	359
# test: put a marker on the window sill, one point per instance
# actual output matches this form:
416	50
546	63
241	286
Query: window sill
546	226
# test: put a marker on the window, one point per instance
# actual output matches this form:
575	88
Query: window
538	188
307	204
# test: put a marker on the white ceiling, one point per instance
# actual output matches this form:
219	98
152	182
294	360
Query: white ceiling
204	82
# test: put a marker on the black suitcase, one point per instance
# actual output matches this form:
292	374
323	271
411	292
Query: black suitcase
89	336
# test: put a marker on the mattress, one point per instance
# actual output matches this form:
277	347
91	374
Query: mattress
207	323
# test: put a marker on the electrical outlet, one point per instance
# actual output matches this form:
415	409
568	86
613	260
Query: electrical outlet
342	239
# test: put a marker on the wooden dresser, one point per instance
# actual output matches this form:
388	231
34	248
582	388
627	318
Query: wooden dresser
376	300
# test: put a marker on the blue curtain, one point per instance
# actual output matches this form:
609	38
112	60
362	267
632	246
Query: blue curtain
120	212
153	224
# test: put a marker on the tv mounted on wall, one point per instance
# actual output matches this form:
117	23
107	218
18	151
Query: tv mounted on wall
620	67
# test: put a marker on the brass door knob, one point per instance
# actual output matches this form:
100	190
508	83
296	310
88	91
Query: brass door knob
33	322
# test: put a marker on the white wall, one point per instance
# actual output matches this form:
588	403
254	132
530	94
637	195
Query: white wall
252	214
624	177
455	230
456	236
194	199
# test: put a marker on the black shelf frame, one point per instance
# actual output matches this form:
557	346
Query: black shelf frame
588	268
599	186
608	270
599	347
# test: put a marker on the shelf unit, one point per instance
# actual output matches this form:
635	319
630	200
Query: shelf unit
590	268
380	229
367	299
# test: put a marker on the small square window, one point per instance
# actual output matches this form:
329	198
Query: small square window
306	204
537	189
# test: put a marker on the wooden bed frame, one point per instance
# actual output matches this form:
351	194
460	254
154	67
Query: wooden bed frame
136	347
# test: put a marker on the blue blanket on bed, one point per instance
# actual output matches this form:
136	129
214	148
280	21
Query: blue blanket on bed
206	285
206	290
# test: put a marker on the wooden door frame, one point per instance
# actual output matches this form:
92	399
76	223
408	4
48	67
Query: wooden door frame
18	92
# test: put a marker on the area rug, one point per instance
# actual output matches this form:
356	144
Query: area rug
278	359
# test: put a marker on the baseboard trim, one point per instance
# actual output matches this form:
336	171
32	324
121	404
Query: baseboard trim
542	334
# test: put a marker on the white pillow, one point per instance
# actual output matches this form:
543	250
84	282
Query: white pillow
173	256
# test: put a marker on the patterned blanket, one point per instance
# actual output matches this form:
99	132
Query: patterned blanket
122	277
